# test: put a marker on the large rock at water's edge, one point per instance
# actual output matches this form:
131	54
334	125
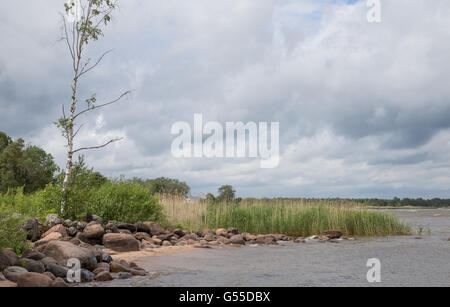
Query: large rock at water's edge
237	239
12	273
332	234
120	242
63	251
33	280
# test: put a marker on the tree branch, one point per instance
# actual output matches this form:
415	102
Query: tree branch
102	105
83	71
97	147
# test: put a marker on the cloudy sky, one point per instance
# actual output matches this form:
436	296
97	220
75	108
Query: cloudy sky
364	108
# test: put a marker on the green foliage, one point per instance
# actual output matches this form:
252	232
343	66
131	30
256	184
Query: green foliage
165	186
126	202
226	193
11	233
27	166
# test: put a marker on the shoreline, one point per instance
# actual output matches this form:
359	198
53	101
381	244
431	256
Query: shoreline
148	252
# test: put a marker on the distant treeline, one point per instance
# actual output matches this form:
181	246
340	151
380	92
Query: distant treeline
372	202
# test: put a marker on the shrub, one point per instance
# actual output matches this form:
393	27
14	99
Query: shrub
11	233
124	201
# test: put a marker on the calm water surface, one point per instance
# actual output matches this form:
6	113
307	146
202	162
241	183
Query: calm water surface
406	261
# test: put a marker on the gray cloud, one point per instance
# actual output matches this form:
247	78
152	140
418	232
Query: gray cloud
363	108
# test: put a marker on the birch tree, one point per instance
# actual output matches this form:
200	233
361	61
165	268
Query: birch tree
88	19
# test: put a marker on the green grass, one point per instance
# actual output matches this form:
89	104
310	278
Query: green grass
291	218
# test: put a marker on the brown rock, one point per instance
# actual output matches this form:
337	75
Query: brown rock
221	232
49	275
12	273
93	231
103	276
7	284
10	254
116	267
332	234
120	242
143	236
63	251
27	280
155	229
33	254
237	239
54	236
59	283
58	228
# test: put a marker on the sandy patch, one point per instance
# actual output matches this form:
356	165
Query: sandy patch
148	252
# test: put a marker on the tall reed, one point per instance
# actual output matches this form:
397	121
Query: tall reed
299	218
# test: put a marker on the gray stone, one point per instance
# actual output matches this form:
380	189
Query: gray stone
12	273
63	251
52	220
57	270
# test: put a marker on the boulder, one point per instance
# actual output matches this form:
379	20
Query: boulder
142	236
4	262
166	243
124	275
59	283
10	254
72	231
86	276
50	275
54	236
120	242
12	273
57	270
221	232
103	276
165	236
223	240
155	229
31	265
33	228
332	234
126	226
190	236
93	231
116	267
80	225
52	220
57	228
33	280
141	227
111	228
233	231
63	251
33	254
179	232
237	239
96	218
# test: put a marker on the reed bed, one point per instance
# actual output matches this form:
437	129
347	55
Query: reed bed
296	218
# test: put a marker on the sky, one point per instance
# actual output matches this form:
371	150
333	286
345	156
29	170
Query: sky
364	108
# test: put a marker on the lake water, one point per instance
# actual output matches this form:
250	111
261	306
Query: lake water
405	261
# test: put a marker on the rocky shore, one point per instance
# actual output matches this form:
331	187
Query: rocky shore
105	251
